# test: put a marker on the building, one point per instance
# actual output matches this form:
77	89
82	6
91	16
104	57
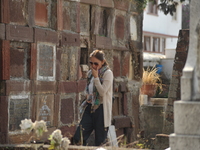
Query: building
160	34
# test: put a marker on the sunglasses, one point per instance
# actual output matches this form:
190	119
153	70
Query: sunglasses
95	63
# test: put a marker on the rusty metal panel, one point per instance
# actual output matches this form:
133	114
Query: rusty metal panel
19	33
42	35
5	60
70	39
103	42
92	2
2	31
5	17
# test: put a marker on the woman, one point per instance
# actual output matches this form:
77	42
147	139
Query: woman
97	109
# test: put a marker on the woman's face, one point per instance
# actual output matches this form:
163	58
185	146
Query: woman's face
96	63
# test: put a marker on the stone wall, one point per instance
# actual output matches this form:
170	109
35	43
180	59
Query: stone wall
44	48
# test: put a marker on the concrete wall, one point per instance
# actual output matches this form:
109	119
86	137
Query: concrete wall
44	46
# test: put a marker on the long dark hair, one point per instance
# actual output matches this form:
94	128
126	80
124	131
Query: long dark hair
99	54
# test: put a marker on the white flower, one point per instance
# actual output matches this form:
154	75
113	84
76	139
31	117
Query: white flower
40	127
65	143
57	136
26	125
101	148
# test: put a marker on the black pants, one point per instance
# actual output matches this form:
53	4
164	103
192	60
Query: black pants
91	121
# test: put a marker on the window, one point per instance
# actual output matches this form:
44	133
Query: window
152	7
162	50
154	44
147	43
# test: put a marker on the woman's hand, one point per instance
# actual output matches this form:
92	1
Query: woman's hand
95	72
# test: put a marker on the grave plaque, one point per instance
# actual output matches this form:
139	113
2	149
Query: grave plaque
45	114
18	110
45	109
46	62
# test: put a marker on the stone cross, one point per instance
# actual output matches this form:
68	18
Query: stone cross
186	134
190	81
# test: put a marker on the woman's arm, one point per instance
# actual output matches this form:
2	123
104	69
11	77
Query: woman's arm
107	82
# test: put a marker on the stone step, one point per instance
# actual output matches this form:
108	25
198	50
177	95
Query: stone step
186	118
184	142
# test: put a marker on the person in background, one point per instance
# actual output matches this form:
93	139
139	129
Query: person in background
96	110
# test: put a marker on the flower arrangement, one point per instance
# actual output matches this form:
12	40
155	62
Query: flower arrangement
57	141
39	127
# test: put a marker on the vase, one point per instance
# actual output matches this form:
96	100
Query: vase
148	89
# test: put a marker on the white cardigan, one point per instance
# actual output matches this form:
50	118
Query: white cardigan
106	91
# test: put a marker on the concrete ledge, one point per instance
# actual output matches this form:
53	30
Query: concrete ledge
71	147
186	117
184	142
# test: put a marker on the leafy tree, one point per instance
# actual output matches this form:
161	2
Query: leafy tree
169	6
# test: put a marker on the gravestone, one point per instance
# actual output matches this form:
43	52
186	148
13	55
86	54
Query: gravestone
186	134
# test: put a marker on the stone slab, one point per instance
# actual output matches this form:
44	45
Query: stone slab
107	3
2	31
14	87
122	122
19	109
81	85
67	108
70	39
122	5
44	87
92	2
45	109
67	87
19	33
43	35
184	142
33	61
186	114
31	12
103	42
17	12
46	61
